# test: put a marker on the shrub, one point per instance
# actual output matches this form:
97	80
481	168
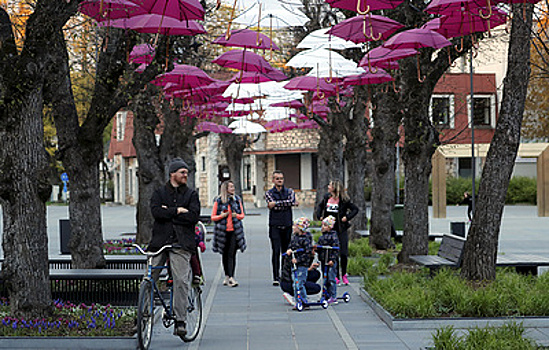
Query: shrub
360	247
521	190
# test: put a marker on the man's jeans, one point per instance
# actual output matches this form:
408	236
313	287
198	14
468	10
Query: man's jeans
181	274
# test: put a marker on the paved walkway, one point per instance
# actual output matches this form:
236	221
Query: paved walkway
255	316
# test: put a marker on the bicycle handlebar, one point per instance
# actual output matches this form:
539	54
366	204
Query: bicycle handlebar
142	251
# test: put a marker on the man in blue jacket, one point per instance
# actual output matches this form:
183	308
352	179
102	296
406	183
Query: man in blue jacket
176	210
280	201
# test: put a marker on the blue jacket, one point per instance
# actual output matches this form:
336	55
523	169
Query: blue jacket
281	214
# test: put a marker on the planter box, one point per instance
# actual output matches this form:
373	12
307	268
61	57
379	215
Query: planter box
81	343
397	324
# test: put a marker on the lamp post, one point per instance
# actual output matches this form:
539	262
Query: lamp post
472	133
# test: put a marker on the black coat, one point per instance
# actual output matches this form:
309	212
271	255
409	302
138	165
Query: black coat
346	208
170	227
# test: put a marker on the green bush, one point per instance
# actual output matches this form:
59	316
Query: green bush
521	190
360	247
508	337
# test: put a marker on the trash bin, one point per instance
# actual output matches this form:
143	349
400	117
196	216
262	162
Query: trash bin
65	235
457	229
398	217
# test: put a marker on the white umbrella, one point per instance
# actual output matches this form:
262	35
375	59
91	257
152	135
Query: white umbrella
319	57
319	39
243	126
272	89
325	72
275	13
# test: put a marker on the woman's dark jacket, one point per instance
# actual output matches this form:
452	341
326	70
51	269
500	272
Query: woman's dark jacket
220	227
346	208
170	227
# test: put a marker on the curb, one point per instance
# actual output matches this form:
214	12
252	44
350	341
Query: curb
84	343
398	324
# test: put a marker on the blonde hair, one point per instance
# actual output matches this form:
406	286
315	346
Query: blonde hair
339	190
223	194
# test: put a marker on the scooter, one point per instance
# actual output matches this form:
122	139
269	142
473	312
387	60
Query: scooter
346	297
300	304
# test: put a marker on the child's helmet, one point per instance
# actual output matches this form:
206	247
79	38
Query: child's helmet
302	223
329	221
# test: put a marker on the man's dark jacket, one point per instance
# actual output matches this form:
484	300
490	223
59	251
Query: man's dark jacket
170	227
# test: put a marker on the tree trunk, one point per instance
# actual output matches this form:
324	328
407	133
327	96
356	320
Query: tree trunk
479	261
356	158
233	146
384	139
151	167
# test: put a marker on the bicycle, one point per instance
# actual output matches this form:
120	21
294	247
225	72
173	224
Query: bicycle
149	292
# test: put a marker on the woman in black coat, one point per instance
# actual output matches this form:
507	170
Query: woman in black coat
338	204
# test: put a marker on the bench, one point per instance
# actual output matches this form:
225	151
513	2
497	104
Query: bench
449	254
121	261
400	234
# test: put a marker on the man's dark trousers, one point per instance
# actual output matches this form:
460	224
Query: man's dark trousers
280	239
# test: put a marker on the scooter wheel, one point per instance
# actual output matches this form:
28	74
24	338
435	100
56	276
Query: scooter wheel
324	304
299	306
346	297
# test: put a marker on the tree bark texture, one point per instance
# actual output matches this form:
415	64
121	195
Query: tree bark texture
384	139
479	261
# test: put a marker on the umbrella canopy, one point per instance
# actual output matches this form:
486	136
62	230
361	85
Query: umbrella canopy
243	126
280	125
308	124
380	76
365	6
243	60
274	14
459	23
338	74
142	53
247	38
212	127
103	10
319	39
321	59
185	76
443	7
290	104
369	27
417	38
310	84
179	9
152	23
380	55
257	77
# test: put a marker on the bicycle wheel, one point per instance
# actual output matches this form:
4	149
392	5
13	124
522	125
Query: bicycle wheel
194	314
145	315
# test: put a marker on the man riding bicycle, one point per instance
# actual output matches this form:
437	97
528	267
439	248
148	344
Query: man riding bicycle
176	210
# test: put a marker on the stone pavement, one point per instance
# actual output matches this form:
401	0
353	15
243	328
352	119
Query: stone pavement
255	316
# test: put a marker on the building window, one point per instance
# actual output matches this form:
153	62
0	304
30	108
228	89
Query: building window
484	109
247	177
203	162
120	125
441	111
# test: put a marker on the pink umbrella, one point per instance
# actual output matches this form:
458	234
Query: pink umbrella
257	77
246	38
382	56
142	53
360	29
243	60
290	104
417	38
184	75
378	77
214	89
461	23
178	9
442	7
319	108
280	125
152	23
364	6
299	116
308	124
212	127
103	10
309	83
141	68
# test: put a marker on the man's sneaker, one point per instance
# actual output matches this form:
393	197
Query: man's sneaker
332	300
345	280
290	299
226	281
276	283
232	282
180	329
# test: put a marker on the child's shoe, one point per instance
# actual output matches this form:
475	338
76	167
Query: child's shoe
332	300
290	299
345	280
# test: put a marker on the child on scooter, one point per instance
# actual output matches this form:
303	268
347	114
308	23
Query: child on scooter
301	259
328	257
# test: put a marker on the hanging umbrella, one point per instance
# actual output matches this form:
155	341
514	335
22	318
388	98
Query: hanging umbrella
319	108
369	27
319	39
319	57
212	127
290	104
459	23
243	60
442	7
184	75
364	6
257	77
417	38
380	56
142	53
103	10
141	68
280	125
246	38
310	84
308	124
336	74
243	126
273	14
152	23
378	77
179	9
